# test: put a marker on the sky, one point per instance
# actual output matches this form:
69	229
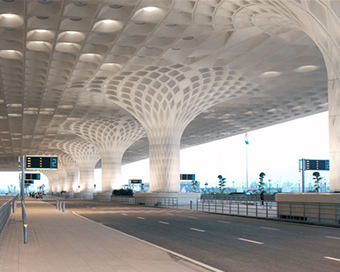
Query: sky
274	150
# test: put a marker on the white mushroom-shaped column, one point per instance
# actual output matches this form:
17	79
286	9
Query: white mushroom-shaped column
86	156
165	100
111	137
72	173
53	179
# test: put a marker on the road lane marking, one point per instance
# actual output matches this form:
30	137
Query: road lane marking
250	241
142	218
269	228
332	259
124	214
226	222
193	217
199	230
165	223
331	237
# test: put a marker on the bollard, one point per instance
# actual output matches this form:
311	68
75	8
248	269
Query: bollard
14	206
57	206
25	233
64	206
60	205
190	204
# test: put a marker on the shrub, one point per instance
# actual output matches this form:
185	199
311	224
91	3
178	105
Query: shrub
122	192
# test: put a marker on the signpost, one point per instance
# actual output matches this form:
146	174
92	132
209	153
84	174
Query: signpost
304	164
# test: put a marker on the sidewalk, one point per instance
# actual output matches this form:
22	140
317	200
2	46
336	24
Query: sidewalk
62	241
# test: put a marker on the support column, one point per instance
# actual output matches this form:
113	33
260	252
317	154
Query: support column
164	154
334	133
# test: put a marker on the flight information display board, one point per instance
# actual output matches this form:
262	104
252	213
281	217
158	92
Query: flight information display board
41	162
315	164
187	177
32	176
135	181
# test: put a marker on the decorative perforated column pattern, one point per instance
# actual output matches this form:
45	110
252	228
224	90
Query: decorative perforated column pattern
165	100
321	21
111	136
86	156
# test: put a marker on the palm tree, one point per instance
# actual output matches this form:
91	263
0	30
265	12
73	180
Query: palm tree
261	183
317	178
194	184
221	182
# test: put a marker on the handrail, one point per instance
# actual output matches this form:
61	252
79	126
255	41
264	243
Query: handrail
5	211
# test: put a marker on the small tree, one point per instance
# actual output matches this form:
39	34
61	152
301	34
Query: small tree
194	184
221	182
317	178
261	183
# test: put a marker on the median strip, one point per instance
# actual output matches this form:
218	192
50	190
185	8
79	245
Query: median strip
165	223
332	259
250	241
199	230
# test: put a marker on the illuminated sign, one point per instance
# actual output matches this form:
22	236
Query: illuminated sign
188	177
40	162
29	181
32	176
314	165
135	181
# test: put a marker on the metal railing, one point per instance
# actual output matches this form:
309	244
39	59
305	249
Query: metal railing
325	213
236	207
169	202
238	197
5	212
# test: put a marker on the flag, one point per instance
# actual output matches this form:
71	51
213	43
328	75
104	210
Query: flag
246	139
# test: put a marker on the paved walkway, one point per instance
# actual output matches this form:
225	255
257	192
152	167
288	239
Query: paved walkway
62	241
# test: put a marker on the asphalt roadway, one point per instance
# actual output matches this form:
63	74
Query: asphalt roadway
225	242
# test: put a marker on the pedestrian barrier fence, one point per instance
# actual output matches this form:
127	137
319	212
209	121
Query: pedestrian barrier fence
169	202
5	211
237	207
326	213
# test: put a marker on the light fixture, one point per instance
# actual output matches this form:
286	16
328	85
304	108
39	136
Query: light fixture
8	15
150	9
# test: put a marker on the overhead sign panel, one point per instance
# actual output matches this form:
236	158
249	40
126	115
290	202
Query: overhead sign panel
41	162
135	181
32	176
314	165
188	177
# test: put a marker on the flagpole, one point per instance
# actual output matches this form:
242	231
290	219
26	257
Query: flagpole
246	166
247	143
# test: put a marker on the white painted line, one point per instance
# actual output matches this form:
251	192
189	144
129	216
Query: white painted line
269	228
199	230
332	259
225	222
193	217
331	237
124	214
250	241
165	223
148	243
142	218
